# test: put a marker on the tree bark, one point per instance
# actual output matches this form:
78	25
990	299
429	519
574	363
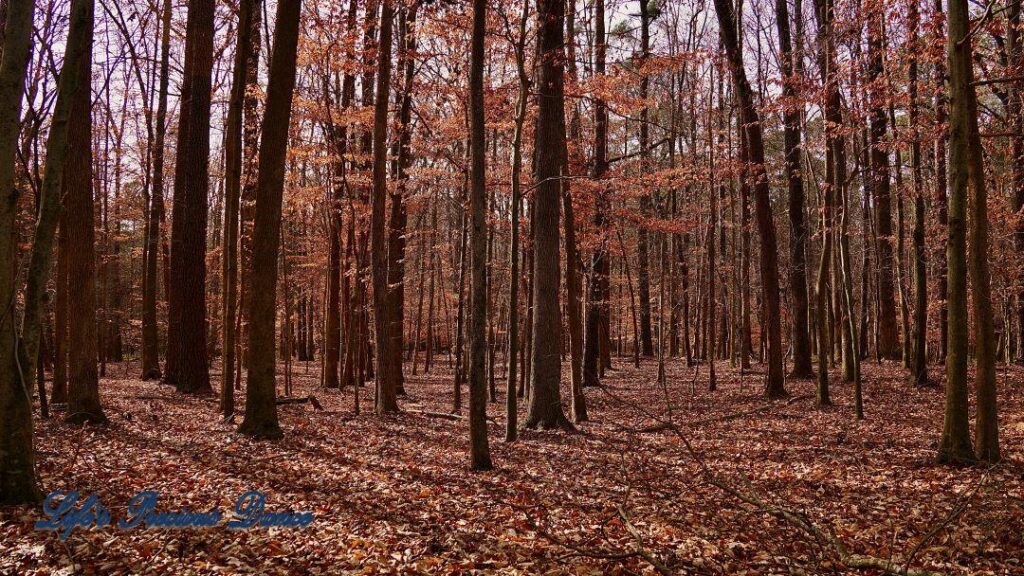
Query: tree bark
599	266
574	300
888	339
775	377
387	384
187	363
797	226
399	216
642	244
83	379
150	284
260	405
511	394
919	368
232	197
545	409
480	454
18	482
955	445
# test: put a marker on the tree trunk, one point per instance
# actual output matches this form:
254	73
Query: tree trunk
986	423
919	366
511	394
599	268
480	454
574	300
18	483
150	284
247	205
545	409
260	406
775	380
642	244
387	384
956	436
17	466
232	197
794	168
888	338
83	379
59	389
187	362
399	215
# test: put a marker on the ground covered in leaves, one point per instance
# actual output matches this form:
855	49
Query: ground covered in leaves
623	495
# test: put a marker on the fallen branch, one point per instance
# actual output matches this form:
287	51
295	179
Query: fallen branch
641	550
444	415
310	399
667	425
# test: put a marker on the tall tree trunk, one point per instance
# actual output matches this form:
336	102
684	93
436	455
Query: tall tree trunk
387	383
150	329
709	339
797	226
399	215
888	340
59	390
775	377
247	204
17	454
232	197
17	467
941	184
986	422
835	182
511	394
1015	111
545	410
260	405
956	436
642	244
574	300
480	454
919	368
599	266
187	362
83	379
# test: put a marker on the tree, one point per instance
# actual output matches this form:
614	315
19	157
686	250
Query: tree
775	377
260	404
986	422
578	407
387	383
888	340
17	466
955	445
545	409
480	454
232	197
17	455
523	97
150	287
599	265
797	226
398	223
187	364
919	366
643	256
83	379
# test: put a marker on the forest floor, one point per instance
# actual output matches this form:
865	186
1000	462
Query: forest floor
395	495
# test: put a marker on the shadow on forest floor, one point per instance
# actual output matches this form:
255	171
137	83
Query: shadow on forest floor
395	494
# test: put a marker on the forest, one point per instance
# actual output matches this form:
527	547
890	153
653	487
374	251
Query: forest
512	287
